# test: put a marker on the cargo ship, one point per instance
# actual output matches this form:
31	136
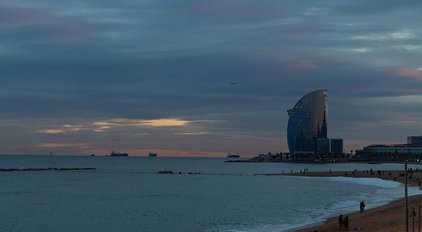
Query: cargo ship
118	154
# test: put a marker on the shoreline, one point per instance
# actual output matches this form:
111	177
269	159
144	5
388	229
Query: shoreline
393	175
388	217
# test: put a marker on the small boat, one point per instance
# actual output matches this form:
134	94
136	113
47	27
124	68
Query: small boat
233	155
165	172
92	154
151	154
118	154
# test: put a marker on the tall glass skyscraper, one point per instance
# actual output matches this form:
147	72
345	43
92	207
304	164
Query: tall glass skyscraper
308	122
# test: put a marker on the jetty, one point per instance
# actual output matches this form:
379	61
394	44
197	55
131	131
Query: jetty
44	169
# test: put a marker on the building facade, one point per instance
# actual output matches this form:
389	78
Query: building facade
412	151
414	140
323	146
308	122
336	146
393	149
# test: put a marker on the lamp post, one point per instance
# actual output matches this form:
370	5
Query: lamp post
405	195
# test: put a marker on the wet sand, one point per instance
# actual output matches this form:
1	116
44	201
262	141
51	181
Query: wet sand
388	218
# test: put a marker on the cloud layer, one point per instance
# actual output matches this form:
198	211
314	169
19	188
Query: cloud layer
94	76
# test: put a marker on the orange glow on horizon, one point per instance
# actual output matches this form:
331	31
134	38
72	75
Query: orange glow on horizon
59	145
165	122
52	131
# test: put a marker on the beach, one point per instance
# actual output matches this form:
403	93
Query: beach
390	217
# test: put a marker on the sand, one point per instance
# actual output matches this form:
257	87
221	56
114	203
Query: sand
388	218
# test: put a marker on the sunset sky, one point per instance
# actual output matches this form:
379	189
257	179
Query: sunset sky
80	77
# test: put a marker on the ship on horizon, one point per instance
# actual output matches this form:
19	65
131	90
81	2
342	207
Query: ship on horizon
118	154
232	155
152	154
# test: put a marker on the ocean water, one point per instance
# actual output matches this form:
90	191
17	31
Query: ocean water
125	194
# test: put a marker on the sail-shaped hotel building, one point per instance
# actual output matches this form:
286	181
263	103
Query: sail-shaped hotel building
308	122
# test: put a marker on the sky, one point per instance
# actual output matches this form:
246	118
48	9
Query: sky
91	76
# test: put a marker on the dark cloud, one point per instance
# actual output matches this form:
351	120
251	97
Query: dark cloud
79	62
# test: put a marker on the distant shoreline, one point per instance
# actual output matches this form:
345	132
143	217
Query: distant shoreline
44	169
322	162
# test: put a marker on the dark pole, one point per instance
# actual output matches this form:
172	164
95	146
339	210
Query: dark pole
413	219
405	195
419	219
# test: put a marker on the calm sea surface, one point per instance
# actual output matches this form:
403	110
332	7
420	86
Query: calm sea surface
125	194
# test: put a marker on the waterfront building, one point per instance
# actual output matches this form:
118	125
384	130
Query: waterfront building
411	151
414	140
336	146
323	146
308	122
393	149
395	152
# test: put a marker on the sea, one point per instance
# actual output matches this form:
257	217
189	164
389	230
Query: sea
127	194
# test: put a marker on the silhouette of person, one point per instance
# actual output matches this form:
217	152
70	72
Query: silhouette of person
346	223
362	206
340	222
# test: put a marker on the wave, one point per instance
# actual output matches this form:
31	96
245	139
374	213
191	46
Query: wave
263	227
386	192
376	182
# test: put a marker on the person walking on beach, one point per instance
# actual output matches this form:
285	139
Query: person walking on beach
346	223
340	222
362	206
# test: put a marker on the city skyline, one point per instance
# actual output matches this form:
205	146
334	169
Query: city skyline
203	78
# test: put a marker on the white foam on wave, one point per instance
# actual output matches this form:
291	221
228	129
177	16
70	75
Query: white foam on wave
376	182
262	227
386	192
